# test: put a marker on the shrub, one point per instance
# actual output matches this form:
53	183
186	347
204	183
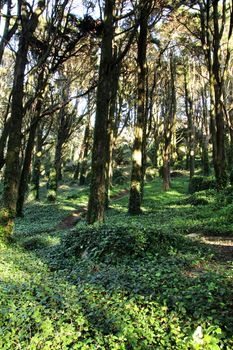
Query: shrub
36	242
6	225
228	213
103	241
225	196
200	198
107	242
200	183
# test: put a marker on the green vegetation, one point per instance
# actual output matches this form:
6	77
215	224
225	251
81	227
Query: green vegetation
130	283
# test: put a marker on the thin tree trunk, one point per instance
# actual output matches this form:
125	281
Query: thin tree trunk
111	127
86	147
205	137
191	127
169	125
37	165
3	141
23	184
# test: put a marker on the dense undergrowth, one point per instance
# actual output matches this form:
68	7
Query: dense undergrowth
131	283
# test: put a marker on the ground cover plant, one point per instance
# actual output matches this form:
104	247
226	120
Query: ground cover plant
131	283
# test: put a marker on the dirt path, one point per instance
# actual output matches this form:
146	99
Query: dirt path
72	219
222	246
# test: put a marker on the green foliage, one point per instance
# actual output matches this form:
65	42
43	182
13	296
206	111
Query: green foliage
112	243
200	198
200	183
52	186
228	213
6	225
131	283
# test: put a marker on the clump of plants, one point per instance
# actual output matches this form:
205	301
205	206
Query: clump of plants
113	242
200	198
200	183
6	225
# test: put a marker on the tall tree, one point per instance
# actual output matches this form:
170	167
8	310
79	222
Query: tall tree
135	197
216	27
96	204
28	23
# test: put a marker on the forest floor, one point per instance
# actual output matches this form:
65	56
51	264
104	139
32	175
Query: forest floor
161	280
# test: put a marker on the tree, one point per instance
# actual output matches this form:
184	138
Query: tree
135	197
28	21
96	204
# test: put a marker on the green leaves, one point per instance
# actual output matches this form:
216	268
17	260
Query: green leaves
131	283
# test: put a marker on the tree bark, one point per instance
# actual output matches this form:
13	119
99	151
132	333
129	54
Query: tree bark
111	127
23	184
12	169
169	124
37	164
191	126
86	147
135	197
96	204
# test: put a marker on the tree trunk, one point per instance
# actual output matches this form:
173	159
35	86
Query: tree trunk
12	170
111	126
3	141
85	146
191	127
37	165
23	184
96	204
169	124
135	197
205	137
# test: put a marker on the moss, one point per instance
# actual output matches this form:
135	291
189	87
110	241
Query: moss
6	224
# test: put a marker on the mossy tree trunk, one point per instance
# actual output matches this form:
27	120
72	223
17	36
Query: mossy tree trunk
85	151
37	164
205	135
29	23
135	197
3	142
112	125
24	177
169	122
190	117
96	204
215	18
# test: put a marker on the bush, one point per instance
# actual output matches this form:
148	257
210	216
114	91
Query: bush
33	243
106	242
200	198
225	196
228	213
103	241
200	183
